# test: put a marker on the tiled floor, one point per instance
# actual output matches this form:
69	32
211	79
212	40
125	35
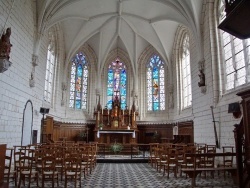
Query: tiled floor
138	175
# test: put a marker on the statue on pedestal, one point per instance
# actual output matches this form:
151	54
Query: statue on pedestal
5	45
202	79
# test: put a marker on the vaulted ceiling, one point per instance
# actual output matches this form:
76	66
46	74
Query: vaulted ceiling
131	25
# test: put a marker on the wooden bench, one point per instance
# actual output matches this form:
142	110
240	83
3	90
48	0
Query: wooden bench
194	171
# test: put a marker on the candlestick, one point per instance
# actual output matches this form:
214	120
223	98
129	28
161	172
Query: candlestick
98	116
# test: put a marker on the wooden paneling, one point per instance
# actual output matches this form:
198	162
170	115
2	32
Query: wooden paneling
146	132
187	128
165	132
48	122
244	169
2	161
66	131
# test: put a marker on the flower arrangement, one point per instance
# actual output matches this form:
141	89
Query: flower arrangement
100	125
116	148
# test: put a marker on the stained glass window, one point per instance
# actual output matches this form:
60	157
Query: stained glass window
185	74
117	83
155	84
236	57
49	75
79	82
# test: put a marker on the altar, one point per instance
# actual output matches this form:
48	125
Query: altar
119	136
116	124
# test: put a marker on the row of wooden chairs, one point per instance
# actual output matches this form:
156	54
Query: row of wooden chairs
172	157
49	161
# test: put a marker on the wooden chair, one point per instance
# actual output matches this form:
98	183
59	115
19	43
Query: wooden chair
94	154
86	159
25	170
152	153
208	161
162	159
171	162
227	160
156	160
59	160
72	170
17	155
189	162
180	154
9	172
49	170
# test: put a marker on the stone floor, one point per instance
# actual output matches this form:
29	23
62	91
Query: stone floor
140	175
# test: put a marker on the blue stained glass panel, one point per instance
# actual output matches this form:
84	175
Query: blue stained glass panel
155	83
155	73
116	83
79	70
78	104
110	91
156	106
79	82
123	91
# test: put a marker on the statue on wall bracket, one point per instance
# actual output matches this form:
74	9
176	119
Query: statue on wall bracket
5	47
202	82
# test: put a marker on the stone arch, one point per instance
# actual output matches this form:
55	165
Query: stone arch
176	57
124	57
142	61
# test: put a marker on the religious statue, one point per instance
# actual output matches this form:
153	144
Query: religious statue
202	78
175	130
156	87
5	44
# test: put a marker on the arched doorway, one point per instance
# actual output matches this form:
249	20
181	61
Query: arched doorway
27	123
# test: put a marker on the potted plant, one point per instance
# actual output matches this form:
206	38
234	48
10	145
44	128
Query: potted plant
116	148
100	126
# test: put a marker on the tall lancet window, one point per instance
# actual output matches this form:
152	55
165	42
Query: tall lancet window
50	68
236	57
186	74
117	83
156	84
79	82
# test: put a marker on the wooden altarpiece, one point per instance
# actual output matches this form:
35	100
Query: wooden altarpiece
116	124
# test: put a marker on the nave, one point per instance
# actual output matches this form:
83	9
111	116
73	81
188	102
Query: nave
115	175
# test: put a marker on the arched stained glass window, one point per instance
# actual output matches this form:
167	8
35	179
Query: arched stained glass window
155	84
79	82
117	83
